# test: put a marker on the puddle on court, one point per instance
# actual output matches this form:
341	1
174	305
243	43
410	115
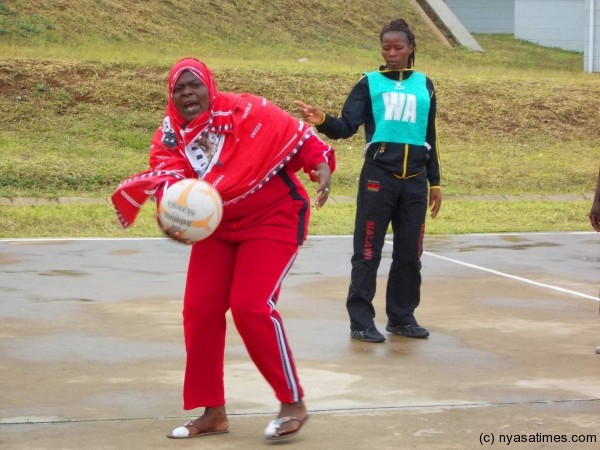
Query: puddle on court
62	273
40	242
513	238
124	251
8	260
54	300
509	247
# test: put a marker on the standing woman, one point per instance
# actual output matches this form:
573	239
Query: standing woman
595	210
249	149
595	216
397	107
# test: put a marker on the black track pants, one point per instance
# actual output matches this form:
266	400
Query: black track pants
382	198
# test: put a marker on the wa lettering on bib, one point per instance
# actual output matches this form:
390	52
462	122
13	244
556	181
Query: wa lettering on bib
400	108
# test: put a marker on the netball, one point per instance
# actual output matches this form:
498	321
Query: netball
192	207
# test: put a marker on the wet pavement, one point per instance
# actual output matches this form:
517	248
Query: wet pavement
91	348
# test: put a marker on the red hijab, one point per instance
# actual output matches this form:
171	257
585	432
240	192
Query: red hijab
260	138
203	73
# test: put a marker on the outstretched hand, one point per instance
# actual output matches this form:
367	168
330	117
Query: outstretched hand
322	174
310	114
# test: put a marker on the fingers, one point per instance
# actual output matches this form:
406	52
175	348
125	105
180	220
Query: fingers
595	220
299	104
435	202
174	233
435	205
303	108
322	196
309	113
178	236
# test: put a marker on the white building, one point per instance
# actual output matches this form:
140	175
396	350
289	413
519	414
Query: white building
567	24
485	16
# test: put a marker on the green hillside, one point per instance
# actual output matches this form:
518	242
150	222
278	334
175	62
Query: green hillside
83	85
211	28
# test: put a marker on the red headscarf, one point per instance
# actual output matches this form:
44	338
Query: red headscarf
260	138
203	73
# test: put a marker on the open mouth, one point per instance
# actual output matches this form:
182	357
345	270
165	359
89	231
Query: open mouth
191	105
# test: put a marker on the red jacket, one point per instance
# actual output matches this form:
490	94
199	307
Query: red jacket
281	208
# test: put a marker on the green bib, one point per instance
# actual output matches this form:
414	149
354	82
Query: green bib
400	108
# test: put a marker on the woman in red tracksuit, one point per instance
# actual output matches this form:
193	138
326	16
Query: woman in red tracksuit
249	149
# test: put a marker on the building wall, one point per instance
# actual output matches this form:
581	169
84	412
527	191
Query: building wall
593	64
551	23
563	24
485	16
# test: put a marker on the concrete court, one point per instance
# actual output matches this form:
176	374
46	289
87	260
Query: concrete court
91	351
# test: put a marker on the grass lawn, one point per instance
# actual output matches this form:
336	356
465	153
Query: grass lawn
80	100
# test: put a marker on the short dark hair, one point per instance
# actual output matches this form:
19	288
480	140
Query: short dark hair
400	25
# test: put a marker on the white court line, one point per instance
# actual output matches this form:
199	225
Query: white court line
513	277
456	261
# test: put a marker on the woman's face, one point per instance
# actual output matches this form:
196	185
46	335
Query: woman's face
396	49
190	96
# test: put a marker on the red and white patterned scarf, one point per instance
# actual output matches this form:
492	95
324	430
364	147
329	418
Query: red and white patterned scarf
260	138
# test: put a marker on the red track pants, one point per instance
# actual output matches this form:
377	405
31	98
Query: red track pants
246	278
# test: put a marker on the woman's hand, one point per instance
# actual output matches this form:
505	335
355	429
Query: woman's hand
435	201
172	232
322	174
595	216
310	114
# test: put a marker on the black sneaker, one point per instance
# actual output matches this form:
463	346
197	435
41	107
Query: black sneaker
411	331
369	335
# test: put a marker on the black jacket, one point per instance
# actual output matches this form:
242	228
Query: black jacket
403	160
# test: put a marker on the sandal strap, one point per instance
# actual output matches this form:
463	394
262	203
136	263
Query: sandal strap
192	428
273	428
287	419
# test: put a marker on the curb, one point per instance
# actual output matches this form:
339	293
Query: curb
34	201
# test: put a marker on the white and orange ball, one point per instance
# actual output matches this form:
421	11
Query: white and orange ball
192	208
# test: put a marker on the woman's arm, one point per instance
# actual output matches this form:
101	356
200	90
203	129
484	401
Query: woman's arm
317	159
354	113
